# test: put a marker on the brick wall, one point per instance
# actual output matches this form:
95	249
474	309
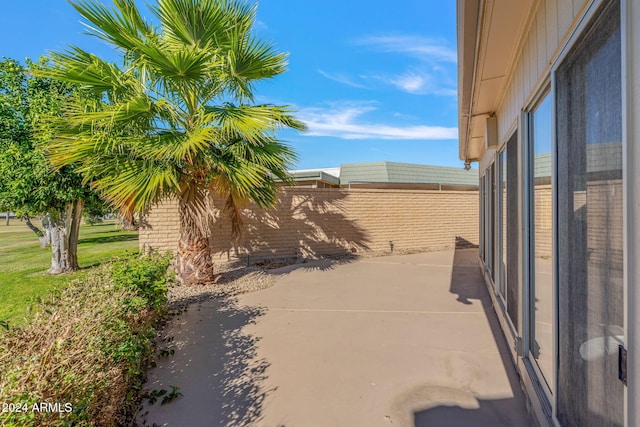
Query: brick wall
543	221
313	222
160	228
604	204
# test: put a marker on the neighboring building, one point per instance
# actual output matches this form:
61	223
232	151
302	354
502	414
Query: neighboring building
316	178
549	98
389	175
407	176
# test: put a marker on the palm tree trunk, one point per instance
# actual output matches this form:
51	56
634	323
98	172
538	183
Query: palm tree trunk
193	262
128	224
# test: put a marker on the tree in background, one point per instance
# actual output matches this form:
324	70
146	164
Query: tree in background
29	186
177	117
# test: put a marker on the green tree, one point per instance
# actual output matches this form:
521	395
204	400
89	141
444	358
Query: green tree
177	117
28	184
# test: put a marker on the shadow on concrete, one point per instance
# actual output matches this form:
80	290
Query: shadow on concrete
465	273
481	413
325	264
312	225
467	282
214	365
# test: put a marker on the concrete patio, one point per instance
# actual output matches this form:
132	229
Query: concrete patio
392	341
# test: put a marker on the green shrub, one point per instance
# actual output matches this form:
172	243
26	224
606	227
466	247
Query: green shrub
88	347
147	275
93	219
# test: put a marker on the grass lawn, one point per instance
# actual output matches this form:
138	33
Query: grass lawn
23	264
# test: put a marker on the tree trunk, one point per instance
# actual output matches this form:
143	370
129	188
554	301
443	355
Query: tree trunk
128	224
194	265
65	229
8	218
43	236
45	239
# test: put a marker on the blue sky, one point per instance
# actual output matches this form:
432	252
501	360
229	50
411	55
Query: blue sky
373	80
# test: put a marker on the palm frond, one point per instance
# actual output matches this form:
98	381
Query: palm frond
204	24
249	60
156	124
133	185
122	26
232	209
128	111
251	122
85	69
181	64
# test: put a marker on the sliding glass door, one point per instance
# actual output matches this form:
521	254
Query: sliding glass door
590	229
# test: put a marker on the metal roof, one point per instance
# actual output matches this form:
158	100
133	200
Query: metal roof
314	174
601	157
395	172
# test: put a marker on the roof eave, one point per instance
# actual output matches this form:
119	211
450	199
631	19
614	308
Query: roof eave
468	35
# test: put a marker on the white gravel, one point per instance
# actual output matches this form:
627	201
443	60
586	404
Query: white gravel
232	279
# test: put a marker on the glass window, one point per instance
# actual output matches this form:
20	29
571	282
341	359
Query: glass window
501	210
497	224
482	218
590	232
490	220
509	181
541	219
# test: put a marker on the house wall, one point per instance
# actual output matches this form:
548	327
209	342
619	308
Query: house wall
548	29
313	222
551	25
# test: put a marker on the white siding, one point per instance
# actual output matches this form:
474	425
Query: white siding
551	25
565	16
541	40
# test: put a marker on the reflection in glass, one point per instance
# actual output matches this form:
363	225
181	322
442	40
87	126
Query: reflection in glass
541	267
482	219
502	200
490	235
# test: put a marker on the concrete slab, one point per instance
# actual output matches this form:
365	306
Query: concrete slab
393	341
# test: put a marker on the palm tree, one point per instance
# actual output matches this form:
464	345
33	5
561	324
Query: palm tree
177	117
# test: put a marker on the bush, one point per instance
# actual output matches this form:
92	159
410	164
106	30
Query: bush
85	352
93	219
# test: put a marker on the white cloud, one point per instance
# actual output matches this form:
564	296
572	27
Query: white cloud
432	68
344	121
412	83
341	78
423	48
431	75
419	82
260	25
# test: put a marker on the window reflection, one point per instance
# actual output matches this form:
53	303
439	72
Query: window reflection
541	267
